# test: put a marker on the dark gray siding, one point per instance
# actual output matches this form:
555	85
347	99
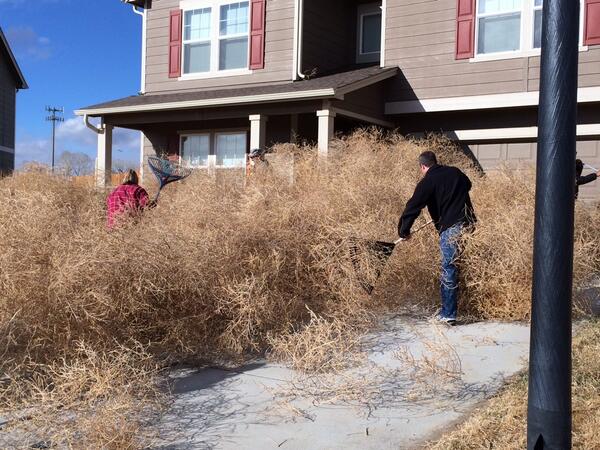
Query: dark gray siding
7	106
8	93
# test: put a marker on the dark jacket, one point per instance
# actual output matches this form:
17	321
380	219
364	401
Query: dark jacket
445	192
584	180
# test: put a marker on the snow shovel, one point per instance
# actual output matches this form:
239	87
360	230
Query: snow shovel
166	172
379	252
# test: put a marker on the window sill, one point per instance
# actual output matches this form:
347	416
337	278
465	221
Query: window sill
220	74
512	55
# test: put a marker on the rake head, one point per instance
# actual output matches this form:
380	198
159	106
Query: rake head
167	171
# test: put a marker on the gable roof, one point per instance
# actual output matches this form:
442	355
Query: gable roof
13	66
330	86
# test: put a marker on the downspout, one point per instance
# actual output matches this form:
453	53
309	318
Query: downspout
86	121
143	76
143	80
383	32
299	37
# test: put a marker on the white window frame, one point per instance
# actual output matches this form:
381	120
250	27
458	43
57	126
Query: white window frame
191	134
212	151
215	39
229	133
367	9
526	39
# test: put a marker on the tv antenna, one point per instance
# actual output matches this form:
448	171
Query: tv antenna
53	117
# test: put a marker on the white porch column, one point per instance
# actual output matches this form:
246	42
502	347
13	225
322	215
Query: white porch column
104	158
258	131
326	123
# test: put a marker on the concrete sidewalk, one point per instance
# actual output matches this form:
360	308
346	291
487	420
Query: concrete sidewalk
415	380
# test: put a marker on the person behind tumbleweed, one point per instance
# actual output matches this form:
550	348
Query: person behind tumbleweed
257	162
127	200
445	192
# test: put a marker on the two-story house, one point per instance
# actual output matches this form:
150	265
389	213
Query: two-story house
11	80
220	77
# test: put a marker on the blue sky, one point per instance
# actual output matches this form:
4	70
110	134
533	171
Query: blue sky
73	53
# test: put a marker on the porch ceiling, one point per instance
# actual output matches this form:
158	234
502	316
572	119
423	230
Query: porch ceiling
331	86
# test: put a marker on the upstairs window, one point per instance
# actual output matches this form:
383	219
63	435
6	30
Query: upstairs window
369	33
499	25
215	37
505	26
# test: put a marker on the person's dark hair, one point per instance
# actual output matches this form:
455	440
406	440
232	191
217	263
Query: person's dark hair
427	159
130	177
578	167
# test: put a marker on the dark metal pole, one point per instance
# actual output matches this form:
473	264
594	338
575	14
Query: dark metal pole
549	402
54	118
53	140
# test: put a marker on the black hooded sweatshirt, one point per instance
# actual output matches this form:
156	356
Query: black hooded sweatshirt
445	192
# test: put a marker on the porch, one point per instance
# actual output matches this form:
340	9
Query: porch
215	129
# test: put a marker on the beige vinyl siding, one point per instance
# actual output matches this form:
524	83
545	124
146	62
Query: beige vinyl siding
491	156
420	39
589	69
279	42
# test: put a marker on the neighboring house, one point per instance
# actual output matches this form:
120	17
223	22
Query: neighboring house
11	80
220	77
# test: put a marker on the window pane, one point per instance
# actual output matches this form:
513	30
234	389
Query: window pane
371	37
538	3
231	150
194	150
233	53
196	58
537	29
197	24
499	33
498	6
234	19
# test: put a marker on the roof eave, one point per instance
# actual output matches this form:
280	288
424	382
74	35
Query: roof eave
21	83
215	102
336	93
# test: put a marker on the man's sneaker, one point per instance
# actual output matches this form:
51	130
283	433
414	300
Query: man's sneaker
438	318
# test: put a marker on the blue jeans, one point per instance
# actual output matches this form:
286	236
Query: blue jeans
449	247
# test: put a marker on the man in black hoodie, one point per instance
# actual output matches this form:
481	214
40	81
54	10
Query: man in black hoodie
445	192
581	180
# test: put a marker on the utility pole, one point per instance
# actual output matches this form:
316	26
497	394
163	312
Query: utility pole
54	118
549	402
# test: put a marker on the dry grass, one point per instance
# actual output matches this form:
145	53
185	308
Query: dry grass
222	269
501	424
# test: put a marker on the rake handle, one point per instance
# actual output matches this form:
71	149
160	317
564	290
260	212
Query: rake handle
396	242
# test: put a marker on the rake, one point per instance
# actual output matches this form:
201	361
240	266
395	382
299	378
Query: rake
380	251
166	172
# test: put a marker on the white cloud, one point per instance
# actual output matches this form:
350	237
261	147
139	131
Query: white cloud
26	43
72	135
30	148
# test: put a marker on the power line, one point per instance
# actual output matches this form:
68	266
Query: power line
54	118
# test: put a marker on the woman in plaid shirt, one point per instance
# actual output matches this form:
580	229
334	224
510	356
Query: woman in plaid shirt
127	200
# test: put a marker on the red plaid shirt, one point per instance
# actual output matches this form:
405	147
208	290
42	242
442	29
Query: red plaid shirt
126	198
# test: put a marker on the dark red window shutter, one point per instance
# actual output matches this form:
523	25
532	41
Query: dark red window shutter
465	29
175	43
591	27
257	34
